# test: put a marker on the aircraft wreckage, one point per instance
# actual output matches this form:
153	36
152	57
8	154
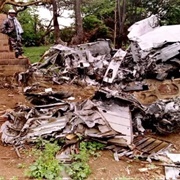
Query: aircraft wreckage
135	89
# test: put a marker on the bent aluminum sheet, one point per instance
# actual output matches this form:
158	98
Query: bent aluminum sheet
172	173
142	27
149	34
48	127
113	67
99	47
150	145
119	118
159	36
168	52
175	157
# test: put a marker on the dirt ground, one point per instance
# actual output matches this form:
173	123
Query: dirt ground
103	168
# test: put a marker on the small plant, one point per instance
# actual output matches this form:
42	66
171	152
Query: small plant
93	147
14	178
46	166
20	165
79	169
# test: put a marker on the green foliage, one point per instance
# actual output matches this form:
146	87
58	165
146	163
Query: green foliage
79	169
35	53
92	147
33	28
91	22
172	15
46	166
98	19
99	8
95	28
67	34
101	32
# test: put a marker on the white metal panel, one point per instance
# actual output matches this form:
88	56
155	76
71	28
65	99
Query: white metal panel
120	121
159	36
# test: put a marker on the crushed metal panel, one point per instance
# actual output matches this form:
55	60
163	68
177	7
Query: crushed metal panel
48	127
168	52
142	27
135	51
172	173
111	71
113	67
62	48
149	34
159	36
95	133
150	145
175	157
118	140
119	120
99	47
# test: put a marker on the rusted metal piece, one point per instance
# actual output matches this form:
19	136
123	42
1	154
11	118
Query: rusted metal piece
150	145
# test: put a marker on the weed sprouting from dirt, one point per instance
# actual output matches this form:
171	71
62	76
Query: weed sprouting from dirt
48	167
79	169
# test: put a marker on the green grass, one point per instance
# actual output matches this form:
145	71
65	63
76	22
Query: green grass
34	53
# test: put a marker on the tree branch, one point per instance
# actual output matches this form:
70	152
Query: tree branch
22	4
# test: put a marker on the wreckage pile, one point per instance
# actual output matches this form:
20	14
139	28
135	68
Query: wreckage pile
136	89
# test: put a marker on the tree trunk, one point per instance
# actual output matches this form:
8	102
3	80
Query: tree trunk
78	39
56	24
121	11
115	23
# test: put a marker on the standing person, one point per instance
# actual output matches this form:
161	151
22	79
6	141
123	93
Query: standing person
13	29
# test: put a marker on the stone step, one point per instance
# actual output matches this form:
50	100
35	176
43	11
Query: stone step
14	61
7	55
3	36
4	48
4	42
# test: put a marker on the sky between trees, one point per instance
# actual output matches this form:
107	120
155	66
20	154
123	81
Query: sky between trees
45	14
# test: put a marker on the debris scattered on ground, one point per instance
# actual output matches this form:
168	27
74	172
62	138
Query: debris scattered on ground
135	91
